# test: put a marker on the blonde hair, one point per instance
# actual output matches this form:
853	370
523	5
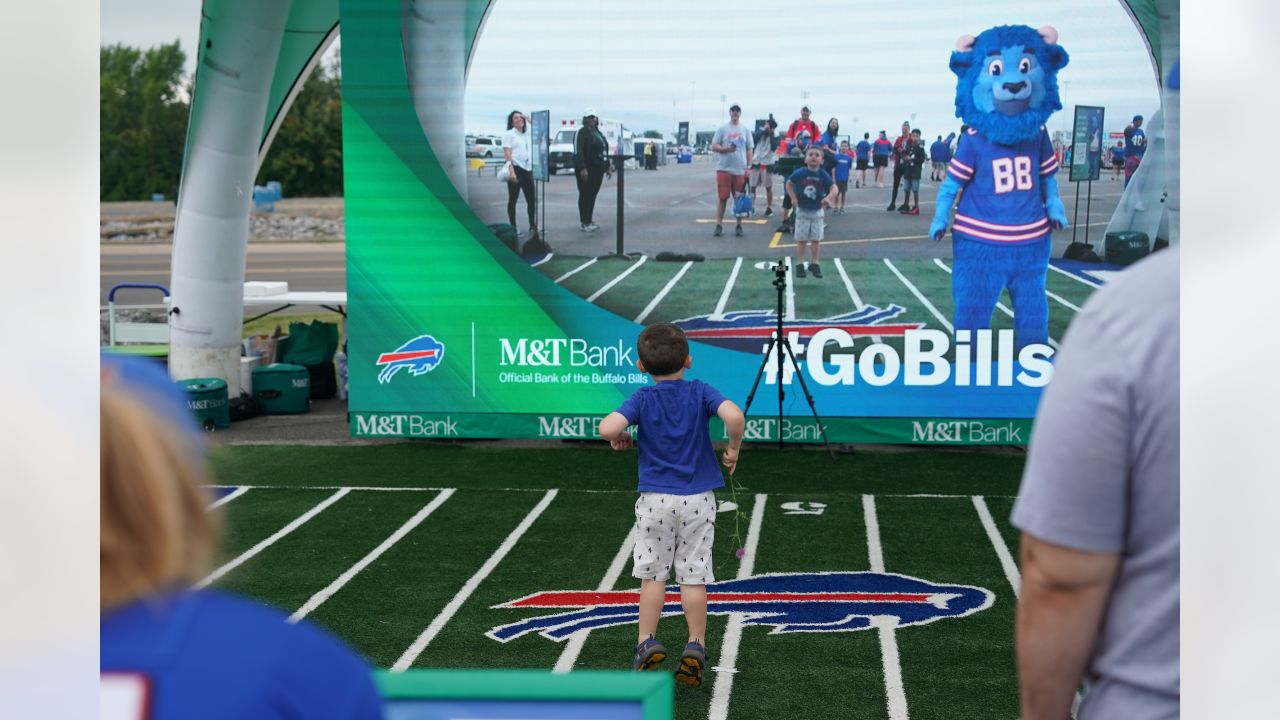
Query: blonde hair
155	531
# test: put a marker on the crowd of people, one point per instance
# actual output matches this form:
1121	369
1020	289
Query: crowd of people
825	164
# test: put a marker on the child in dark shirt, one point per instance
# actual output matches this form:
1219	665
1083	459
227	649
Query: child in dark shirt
915	159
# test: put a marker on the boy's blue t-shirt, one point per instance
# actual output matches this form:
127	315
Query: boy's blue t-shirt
843	164
673	441
863	150
811	186
207	654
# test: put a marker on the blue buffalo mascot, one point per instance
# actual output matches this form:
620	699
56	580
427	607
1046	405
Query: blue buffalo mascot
1005	163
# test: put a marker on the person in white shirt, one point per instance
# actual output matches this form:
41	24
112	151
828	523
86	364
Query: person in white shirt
515	145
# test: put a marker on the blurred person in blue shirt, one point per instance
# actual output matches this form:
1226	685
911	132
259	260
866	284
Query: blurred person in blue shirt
171	652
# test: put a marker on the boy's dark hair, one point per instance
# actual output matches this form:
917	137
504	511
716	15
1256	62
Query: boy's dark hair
662	348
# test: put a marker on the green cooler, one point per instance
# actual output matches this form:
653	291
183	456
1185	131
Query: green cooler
282	389
207	398
1126	247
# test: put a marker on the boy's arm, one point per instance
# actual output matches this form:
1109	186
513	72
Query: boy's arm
735	424
791	193
614	429
831	194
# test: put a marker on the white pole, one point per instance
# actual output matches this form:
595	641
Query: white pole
211	231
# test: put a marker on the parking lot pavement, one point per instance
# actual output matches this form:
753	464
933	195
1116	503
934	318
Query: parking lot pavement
673	208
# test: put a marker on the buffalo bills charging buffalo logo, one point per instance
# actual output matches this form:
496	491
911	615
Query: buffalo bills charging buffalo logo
788	602
420	355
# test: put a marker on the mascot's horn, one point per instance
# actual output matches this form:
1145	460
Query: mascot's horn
966	42
1050	34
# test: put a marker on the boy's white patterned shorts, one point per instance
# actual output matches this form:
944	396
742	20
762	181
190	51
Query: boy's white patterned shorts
675	529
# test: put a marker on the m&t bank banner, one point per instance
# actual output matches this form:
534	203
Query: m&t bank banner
457	329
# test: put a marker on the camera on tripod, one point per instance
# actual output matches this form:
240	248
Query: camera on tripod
779	350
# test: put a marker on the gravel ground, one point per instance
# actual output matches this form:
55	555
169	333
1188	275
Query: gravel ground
294	219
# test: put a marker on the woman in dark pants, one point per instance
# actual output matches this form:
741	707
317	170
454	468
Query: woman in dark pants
515	145
591	166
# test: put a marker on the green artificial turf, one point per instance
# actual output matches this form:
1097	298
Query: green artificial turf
814	520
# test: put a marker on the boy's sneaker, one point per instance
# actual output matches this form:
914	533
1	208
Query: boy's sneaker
719	231
649	655
815	270
592	227
905	207
914	211
800	270
768	212
583	227
891	207
692	662
737	230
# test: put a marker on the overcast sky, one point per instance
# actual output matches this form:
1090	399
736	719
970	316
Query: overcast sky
649	64
878	62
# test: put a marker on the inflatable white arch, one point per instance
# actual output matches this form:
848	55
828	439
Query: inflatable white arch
252	60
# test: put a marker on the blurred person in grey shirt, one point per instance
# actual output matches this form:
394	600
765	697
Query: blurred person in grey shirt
1099	507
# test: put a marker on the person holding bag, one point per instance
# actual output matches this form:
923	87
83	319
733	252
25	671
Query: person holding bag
519	169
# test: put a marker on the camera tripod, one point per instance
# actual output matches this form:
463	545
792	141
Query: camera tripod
780	341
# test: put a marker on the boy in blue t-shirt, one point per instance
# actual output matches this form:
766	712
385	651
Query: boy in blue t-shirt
863	151
844	164
811	189
676	511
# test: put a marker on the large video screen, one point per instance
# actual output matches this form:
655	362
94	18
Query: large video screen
485	302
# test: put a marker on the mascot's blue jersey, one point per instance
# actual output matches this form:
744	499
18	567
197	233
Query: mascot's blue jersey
1003	181
205	654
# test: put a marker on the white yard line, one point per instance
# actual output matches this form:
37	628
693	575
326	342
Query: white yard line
621	276
663	293
733	631
573	647
997	541
895	694
414	650
1061	300
923	300
297	523
544	259
999	305
576	270
875	554
1077	278
853	295
229	497
718	313
789	313
320	597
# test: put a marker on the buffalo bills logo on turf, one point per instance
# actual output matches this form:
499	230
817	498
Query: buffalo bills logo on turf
788	602
743	329
420	355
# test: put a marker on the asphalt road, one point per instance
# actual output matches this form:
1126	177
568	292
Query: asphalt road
305	266
672	208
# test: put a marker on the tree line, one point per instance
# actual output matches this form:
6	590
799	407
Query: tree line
144	103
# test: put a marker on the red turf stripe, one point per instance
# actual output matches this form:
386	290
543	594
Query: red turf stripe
385	358
805	331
